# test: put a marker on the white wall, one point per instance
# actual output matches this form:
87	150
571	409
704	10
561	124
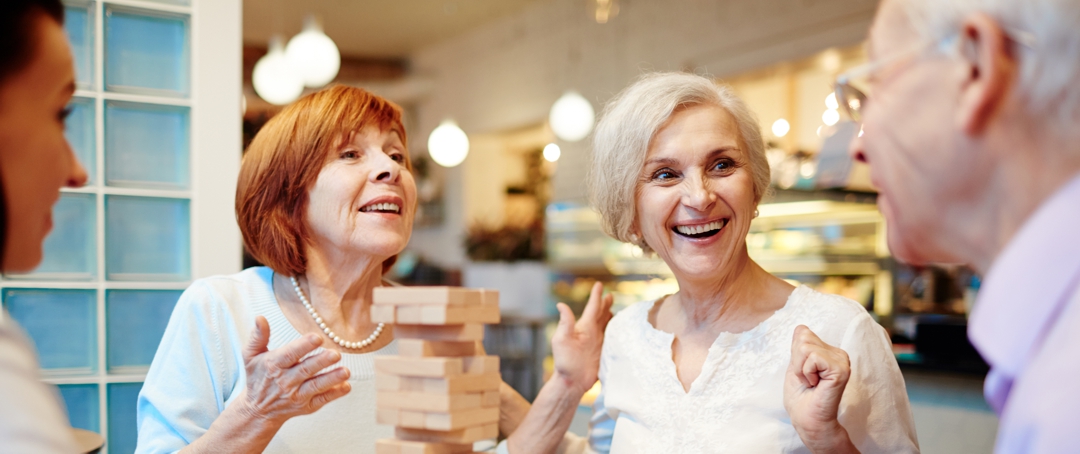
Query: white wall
216	137
506	74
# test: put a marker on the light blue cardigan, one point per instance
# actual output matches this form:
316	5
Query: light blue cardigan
199	370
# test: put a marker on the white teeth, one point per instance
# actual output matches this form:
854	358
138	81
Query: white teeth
699	229
389	207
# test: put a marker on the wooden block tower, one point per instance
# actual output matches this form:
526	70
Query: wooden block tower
442	390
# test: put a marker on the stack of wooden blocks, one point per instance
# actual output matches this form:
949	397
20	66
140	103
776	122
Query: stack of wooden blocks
442	390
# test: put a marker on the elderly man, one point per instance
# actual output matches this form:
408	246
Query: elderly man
970	129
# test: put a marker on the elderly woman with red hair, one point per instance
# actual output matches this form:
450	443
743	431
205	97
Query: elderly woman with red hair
326	199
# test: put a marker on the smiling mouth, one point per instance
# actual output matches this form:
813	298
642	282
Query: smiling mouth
381	208
700	230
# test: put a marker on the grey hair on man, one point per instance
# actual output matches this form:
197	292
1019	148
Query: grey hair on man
1046	32
626	129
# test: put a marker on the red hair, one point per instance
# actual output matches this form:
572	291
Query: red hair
284	160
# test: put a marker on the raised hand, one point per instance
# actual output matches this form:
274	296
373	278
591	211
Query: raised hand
813	386
282	383
576	345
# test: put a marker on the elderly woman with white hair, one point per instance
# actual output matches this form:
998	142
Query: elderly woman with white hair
737	360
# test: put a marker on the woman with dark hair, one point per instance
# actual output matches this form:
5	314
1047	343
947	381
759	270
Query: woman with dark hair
37	80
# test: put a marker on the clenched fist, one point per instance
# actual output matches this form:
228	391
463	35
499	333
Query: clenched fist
813	386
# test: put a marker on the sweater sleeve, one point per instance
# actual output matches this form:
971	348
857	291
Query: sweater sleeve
194	372
875	409
31	416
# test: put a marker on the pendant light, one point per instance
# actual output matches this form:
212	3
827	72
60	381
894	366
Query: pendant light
314	55
274	78
572	117
448	145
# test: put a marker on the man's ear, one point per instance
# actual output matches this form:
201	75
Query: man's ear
991	71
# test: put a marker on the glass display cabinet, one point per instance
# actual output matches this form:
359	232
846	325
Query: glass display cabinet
834	244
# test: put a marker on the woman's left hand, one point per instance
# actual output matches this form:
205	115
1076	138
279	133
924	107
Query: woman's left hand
813	386
577	344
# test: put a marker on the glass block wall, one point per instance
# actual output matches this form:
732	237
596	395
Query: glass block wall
120	252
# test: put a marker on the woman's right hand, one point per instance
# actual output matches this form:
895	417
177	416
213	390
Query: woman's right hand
282	383
576	345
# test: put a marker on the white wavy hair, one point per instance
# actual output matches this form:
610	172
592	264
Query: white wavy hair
627	126
1049	72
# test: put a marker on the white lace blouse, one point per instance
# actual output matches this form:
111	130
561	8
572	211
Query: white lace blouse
736	404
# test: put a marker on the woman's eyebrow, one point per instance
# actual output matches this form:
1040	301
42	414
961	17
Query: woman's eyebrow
665	161
723	150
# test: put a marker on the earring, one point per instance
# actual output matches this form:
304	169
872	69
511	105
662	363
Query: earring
757	213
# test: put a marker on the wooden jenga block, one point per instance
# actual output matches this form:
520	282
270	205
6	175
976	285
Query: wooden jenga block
391	446
419	367
418	348
446	315
461	419
388	416
466	435
412	418
480	364
466	332
490	399
383	314
385	446
442	403
467	383
455	296
489	297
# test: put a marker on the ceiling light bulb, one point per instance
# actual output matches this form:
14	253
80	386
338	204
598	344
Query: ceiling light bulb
830	101
830	117
552	152
274	78
572	117
448	145
314	55
781	127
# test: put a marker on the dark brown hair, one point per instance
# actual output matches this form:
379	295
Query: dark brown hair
18	40
18	28
284	160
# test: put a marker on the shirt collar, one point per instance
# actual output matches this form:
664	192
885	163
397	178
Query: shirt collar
1028	283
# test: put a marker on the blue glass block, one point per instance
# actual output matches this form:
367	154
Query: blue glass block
146	145
134	323
62	324
71	247
79	26
146	52
79	130
122	424
147	239
82	404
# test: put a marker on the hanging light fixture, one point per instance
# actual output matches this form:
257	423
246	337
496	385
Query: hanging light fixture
274	78
781	127
605	10
314	55
830	102
552	152
572	117
830	117
448	145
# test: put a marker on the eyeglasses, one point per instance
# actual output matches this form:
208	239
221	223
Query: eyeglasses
852	99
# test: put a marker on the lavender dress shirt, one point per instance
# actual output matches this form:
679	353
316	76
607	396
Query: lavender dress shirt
1026	324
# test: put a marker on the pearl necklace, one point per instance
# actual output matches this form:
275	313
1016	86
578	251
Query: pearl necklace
326	329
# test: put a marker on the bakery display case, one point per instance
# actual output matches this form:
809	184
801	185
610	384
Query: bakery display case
834	243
